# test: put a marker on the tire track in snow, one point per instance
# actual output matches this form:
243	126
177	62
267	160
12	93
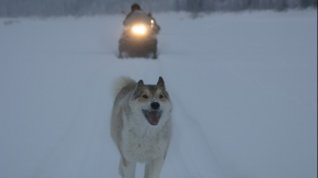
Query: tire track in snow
194	142
189	138
175	144
79	132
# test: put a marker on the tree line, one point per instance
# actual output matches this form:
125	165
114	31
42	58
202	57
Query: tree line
15	8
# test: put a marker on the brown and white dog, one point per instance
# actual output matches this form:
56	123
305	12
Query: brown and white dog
141	125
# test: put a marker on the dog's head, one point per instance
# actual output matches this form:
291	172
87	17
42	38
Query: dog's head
152	101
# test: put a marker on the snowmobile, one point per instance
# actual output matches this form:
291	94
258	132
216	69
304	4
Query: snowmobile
139	38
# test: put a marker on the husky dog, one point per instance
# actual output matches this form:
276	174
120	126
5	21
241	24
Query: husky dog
141	126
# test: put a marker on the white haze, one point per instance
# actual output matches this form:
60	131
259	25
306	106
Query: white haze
243	87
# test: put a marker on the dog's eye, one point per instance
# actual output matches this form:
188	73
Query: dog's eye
161	96
145	96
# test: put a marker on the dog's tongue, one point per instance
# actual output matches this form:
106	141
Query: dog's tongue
153	117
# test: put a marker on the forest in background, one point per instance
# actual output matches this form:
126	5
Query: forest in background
16	8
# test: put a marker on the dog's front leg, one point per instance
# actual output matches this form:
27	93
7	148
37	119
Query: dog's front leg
127	168
153	168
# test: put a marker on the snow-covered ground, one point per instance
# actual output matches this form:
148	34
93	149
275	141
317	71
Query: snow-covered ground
243	87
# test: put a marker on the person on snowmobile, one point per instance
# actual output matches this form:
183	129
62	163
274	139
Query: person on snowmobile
133	8
139	38
136	14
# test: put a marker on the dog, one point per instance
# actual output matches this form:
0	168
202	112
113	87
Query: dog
141	126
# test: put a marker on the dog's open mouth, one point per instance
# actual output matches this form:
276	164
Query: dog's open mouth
152	117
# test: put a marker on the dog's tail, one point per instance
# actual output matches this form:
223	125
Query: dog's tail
120	83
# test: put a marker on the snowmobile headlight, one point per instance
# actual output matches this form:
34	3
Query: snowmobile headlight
139	29
152	23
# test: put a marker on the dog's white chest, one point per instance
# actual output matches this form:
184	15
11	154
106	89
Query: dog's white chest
143	147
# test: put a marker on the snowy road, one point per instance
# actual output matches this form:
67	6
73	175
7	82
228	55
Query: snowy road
243	87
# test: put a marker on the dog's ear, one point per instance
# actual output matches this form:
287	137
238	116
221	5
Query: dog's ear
140	83
161	82
138	88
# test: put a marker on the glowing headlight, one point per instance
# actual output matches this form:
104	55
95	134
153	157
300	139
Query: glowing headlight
152	23
139	29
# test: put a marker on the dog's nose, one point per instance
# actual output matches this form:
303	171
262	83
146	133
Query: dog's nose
155	105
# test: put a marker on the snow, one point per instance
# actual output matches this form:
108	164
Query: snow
243	87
